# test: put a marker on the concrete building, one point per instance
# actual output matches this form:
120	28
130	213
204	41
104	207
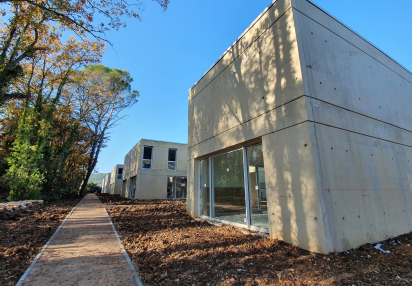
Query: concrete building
106	184
155	170
116	180
303	129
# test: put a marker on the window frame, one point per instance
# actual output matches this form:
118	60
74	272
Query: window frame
117	175
151	158
211	192
175	161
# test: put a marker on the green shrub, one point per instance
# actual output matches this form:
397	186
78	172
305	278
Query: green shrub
93	188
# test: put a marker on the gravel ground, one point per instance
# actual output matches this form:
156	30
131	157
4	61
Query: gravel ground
24	233
170	248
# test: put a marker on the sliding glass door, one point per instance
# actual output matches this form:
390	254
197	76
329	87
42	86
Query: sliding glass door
257	186
232	187
205	188
229	187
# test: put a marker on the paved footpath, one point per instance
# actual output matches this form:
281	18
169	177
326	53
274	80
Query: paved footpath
84	252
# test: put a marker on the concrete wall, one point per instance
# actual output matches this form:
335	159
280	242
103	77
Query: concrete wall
152	184
332	113
254	90
106	184
358	102
116	184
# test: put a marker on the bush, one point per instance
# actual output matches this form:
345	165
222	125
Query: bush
93	188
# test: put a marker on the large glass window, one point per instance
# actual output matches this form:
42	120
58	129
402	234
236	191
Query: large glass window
257	186
171	163
228	187
233	189
204	187
176	187
170	188
119	173
132	188
147	157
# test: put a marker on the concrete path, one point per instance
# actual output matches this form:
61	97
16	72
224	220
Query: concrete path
84	252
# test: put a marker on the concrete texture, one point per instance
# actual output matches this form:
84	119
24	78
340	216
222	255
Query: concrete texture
332	113
84	252
115	183
106	184
152	183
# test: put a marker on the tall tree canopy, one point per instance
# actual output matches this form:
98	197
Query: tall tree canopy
104	93
31	20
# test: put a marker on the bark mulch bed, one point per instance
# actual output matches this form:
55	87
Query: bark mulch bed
23	234
170	248
118	200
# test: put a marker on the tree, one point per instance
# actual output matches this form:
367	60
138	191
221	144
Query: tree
104	93
31	20
45	126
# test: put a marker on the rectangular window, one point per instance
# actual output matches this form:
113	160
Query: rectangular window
120	173
147	157
232	188
228	187
204	187
171	163
176	187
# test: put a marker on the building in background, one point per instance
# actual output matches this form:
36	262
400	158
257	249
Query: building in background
303	129
106	184
155	170
116	180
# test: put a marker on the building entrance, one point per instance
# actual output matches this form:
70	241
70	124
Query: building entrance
176	187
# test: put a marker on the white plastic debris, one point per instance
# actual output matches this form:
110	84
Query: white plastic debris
378	247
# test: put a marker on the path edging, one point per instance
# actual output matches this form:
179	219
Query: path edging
27	272
136	276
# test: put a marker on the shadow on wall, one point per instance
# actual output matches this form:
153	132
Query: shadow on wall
253	96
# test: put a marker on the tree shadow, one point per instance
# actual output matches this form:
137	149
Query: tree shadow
255	92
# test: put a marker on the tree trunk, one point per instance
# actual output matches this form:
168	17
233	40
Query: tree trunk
94	154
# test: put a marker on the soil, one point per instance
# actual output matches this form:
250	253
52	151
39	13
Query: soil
23	234
171	248
118	200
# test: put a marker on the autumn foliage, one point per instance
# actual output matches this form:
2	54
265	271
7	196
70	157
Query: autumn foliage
57	102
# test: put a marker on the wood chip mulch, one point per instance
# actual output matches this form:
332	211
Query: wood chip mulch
171	248
23	234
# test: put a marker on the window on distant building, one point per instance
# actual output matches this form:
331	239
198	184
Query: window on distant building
171	164
147	157
120	173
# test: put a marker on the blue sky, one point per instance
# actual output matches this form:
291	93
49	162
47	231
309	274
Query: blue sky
167	52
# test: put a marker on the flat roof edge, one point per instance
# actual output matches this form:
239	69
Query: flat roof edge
237	40
317	6
350	29
161	141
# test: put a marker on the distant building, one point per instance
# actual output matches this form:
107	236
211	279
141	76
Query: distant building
116	180
303	129
155	170
106	184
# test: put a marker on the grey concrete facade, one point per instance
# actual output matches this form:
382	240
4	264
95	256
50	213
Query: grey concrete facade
106	184
151	183
116	180
332	114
